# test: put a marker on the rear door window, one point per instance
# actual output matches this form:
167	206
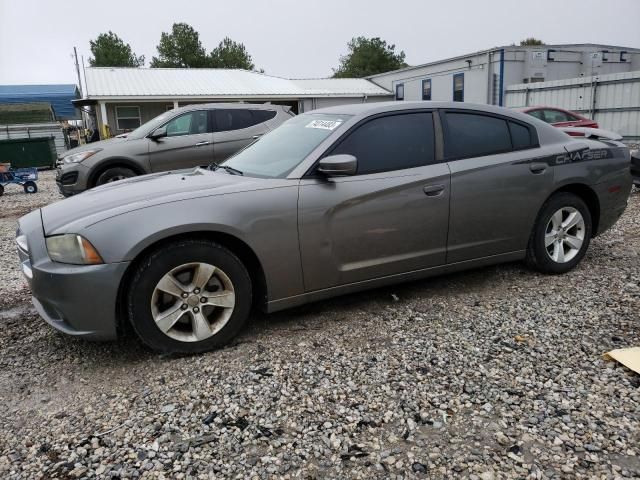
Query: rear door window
392	142
237	119
475	135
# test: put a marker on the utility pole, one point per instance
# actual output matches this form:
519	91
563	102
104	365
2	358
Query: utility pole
84	125
75	54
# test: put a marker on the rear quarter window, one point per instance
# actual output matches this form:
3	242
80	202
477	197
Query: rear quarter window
521	136
260	116
232	119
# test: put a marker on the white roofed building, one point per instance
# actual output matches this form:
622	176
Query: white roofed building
127	97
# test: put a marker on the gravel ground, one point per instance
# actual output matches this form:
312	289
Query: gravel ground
493	373
13	204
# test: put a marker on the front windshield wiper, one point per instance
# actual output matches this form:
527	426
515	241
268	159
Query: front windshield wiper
233	171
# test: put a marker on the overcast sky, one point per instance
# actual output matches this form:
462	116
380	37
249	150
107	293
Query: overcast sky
299	38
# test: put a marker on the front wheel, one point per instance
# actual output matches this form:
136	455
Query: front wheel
189	296
114	174
561	235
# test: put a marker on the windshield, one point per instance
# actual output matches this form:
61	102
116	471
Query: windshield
277	153
150	126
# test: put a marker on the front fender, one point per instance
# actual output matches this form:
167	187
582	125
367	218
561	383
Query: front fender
265	220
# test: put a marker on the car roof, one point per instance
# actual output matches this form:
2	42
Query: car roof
546	133
366	109
231	106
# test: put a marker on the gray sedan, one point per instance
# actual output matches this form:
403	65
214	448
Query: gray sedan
333	201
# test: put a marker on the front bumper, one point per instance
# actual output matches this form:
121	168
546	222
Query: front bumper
79	300
71	179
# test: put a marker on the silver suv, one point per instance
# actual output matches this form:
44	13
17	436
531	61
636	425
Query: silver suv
191	136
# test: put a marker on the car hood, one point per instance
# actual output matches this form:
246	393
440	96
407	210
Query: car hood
73	214
93	145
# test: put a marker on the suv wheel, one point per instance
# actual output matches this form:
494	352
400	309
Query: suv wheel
189	296
561	235
114	174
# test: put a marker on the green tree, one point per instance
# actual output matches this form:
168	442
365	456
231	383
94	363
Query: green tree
230	54
368	56
528	42
181	48
109	50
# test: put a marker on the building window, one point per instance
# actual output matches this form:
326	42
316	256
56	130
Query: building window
458	87
426	89
128	118
400	91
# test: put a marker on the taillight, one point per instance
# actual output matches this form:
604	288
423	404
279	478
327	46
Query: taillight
574	133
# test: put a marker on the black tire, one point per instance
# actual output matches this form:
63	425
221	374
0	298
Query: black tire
30	187
156	265
114	174
537	255
1	190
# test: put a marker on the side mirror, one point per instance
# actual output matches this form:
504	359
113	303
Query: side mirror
338	165
158	133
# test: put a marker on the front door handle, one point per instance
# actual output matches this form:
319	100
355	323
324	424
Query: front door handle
538	168
433	190
255	137
202	144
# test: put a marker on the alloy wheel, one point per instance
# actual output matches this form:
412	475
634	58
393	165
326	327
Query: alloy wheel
193	302
116	178
564	235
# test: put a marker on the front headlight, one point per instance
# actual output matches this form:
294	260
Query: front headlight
73	249
80	156
21	240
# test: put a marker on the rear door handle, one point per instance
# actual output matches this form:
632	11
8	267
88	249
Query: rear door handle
538	167
257	136
433	190
202	144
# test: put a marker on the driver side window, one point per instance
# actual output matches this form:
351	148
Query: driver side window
392	142
191	123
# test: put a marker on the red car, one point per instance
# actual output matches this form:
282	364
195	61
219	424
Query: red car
559	117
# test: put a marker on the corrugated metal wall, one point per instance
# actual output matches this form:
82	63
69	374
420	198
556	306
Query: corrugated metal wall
612	100
45	130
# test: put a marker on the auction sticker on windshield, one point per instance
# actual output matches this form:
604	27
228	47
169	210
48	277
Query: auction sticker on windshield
324	124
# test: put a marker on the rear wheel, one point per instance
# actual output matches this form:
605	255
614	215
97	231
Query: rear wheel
30	187
114	174
189	296
561	235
